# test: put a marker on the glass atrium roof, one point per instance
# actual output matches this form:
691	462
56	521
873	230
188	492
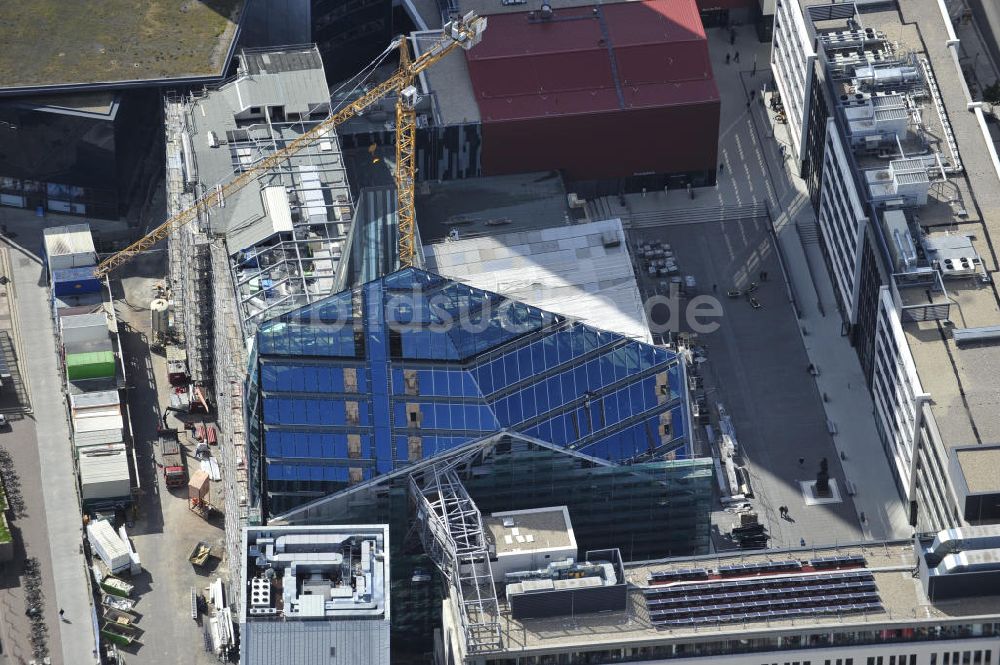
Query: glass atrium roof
408	366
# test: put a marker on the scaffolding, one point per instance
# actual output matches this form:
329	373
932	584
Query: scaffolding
451	531
189	271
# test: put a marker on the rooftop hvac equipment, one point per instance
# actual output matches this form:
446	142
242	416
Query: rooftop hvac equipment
260	592
903	249
959	266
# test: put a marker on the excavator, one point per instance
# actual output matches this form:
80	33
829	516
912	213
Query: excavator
463	32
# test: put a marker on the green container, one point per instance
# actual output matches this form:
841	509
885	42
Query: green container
92	365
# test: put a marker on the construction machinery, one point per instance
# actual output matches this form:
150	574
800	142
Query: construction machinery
464	32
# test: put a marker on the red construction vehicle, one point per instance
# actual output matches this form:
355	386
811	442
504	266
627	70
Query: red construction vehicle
172	458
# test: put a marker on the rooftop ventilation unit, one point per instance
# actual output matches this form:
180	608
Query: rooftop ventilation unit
960	266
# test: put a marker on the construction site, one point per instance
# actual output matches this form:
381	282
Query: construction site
466	359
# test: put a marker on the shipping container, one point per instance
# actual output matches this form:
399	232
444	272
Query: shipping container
88	347
94	400
95	365
74	281
104	475
101	437
84	328
98	424
69	247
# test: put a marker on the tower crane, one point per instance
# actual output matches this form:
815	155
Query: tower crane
464	32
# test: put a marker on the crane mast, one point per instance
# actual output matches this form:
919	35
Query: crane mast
464	32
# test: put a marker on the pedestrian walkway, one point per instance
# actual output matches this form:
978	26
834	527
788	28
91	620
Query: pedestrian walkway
59	490
756	169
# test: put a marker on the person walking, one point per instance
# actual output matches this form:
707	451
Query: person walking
722	167
62	613
736	58
727	58
802	461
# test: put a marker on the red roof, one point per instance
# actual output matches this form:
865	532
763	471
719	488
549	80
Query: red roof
592	59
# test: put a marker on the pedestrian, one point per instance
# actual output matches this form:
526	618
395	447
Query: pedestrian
61	612
802	542
753	72
727	58
802	461
736	58
753	93
715	288
722	167
748	105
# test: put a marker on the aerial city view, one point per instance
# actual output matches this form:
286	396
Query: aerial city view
500	332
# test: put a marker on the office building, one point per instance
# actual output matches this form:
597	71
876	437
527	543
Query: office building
893	150
854	605
605	79
405	367
645	510
79	109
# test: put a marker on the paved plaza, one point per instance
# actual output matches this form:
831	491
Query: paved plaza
759	353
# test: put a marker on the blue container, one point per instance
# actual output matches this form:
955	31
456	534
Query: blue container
74	281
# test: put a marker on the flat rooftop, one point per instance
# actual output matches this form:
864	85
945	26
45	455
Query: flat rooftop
891	565
310	590
582	271
962	381
491	205
286	232
448	83
58	44
980	468
525	530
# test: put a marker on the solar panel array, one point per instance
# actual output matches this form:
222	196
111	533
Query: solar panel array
764	598
741	569
661	576
837	561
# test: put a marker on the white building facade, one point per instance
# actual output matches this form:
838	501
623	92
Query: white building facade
793	60
841	221
896	393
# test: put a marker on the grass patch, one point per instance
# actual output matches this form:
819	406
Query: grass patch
49	42
5	536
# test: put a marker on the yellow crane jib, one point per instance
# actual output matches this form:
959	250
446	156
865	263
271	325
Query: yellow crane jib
464	32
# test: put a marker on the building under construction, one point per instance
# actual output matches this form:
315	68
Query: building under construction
338	380
273	247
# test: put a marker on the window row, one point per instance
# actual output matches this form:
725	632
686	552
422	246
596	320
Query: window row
312	378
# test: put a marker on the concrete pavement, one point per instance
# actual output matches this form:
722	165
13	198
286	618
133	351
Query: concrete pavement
74	641
756	170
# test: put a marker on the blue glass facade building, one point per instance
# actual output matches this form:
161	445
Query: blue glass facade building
402	368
